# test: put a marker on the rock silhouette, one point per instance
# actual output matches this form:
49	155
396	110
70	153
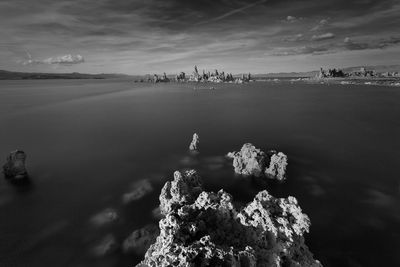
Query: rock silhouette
15	165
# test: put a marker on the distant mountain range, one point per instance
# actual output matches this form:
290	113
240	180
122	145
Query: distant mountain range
12	75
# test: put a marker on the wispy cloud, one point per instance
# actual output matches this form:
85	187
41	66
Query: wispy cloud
294	38
303	50
320	25
232	12
291	19
324	36
58	60
371	44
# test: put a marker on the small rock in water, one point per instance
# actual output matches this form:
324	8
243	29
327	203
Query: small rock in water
15	165
194	145
277	166
106	246
141	239
139	190
105	217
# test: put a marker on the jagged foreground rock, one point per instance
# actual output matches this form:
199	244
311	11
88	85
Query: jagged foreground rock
205	229
252	161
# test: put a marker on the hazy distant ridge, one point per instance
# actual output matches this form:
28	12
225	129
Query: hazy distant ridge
11	75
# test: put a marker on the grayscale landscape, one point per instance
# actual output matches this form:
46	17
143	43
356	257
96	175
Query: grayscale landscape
207	133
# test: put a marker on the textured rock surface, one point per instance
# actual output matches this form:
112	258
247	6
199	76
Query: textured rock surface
183	189
15	165
252	161
277	166
141	239
194	145
249	160
205	229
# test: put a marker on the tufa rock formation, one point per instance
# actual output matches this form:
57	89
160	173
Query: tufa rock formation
15	165
194	145
277	166
249	160
254	162
205	229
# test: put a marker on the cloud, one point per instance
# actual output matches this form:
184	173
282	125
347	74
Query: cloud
324	36
349	44
304	50
294	38
291	18
232	12
59	60
320	25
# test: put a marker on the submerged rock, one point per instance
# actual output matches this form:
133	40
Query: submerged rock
139	190
15	165
141	239
106	246
277	166
104	217
254	162
205	229
194	145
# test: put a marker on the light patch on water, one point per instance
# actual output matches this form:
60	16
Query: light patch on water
47	232
317	190
189	161
138	190
104	217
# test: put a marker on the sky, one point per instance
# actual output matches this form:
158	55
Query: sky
155	36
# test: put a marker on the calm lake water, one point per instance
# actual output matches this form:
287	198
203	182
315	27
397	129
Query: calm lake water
88	141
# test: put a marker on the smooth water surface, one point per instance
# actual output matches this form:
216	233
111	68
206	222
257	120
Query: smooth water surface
88	141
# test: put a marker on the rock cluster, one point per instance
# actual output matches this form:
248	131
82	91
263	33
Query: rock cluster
205	229
194	145
254	162
15	165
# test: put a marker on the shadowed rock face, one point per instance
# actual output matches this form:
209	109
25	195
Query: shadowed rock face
194	145
254	162
205	229
15	165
